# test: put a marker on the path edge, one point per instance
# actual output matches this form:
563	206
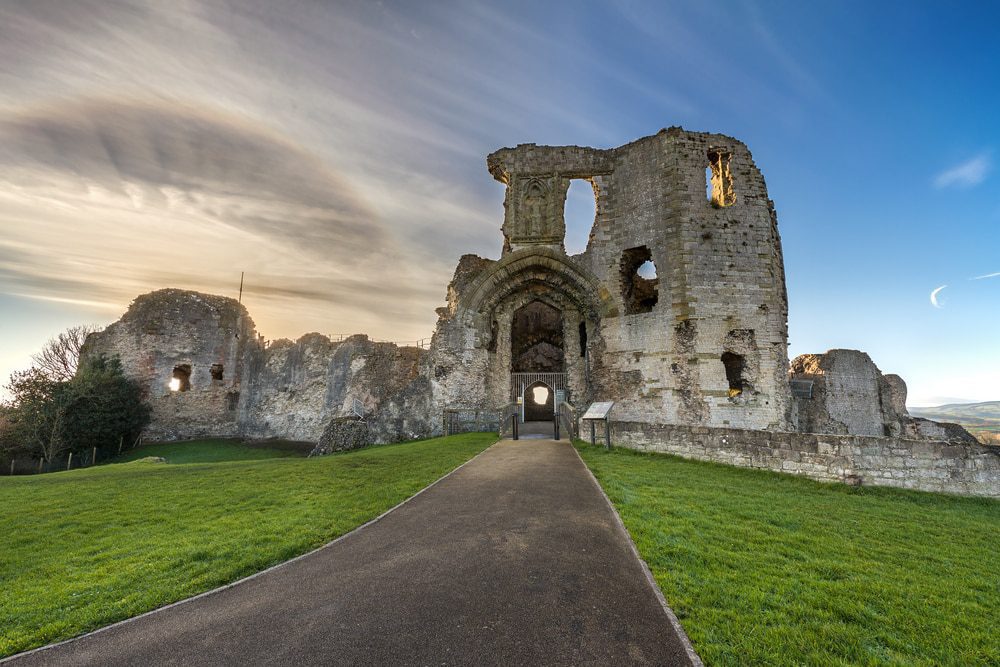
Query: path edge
671	616
232	584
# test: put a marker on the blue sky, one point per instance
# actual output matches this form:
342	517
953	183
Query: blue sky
335	152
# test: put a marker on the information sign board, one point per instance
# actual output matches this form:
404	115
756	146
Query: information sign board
599	410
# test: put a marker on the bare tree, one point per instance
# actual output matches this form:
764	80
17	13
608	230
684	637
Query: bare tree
61	355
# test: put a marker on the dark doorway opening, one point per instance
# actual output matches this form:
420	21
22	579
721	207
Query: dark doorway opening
536	339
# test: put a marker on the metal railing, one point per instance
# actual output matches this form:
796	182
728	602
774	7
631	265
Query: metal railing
569	420
519	382
509	416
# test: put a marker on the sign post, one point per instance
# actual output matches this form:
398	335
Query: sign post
560	396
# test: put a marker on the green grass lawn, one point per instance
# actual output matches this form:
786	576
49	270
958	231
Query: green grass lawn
763	568
209	451
86	548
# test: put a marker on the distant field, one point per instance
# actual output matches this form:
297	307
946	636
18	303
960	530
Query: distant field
86	548
980	419
985	416
770	569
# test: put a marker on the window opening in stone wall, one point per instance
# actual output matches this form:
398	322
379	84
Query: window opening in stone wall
232	400
734	364
640	292
217	372
583	339
720	179
579	214
181	379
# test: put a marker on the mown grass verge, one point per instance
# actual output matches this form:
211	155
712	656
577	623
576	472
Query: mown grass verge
763	568
86	548
213	450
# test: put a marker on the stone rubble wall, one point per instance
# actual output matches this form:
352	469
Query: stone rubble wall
295	388
851	396
171	327
284	389
946	467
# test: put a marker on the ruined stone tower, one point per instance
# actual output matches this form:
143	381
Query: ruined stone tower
676	310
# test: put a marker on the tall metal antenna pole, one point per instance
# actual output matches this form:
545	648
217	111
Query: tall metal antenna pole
241	287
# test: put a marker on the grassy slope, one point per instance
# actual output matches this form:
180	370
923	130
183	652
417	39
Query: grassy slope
765	568
86	548
206	451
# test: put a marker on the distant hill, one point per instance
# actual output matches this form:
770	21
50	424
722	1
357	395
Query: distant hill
985	416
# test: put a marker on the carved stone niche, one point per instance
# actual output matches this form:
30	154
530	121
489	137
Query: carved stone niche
534	214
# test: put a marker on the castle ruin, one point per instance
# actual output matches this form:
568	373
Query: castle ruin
676	311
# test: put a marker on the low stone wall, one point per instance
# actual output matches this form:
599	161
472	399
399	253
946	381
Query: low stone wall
911	464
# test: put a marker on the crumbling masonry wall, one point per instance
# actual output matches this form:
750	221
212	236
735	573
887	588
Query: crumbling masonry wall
283	389
947	467
851	396
173	328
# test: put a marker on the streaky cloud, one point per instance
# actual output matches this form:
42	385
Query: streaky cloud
988	275
234	169
968	174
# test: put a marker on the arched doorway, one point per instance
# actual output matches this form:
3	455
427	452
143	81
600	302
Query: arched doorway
537	364
539	403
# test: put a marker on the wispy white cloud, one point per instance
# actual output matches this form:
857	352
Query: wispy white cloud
968	174
988	275
934	296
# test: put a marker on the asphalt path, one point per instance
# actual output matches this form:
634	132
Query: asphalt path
514	559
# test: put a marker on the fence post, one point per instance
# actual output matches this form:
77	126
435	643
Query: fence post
121	439
40	465
513	421
93	457
12	467
69	461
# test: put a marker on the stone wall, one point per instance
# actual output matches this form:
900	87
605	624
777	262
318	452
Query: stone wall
947	467
237	384
294	389
850	395
174	329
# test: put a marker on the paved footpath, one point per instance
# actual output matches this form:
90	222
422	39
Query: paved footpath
514	559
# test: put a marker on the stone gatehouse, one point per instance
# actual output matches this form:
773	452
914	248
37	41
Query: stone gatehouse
676	311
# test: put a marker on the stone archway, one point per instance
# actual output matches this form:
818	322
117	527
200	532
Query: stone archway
487	308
